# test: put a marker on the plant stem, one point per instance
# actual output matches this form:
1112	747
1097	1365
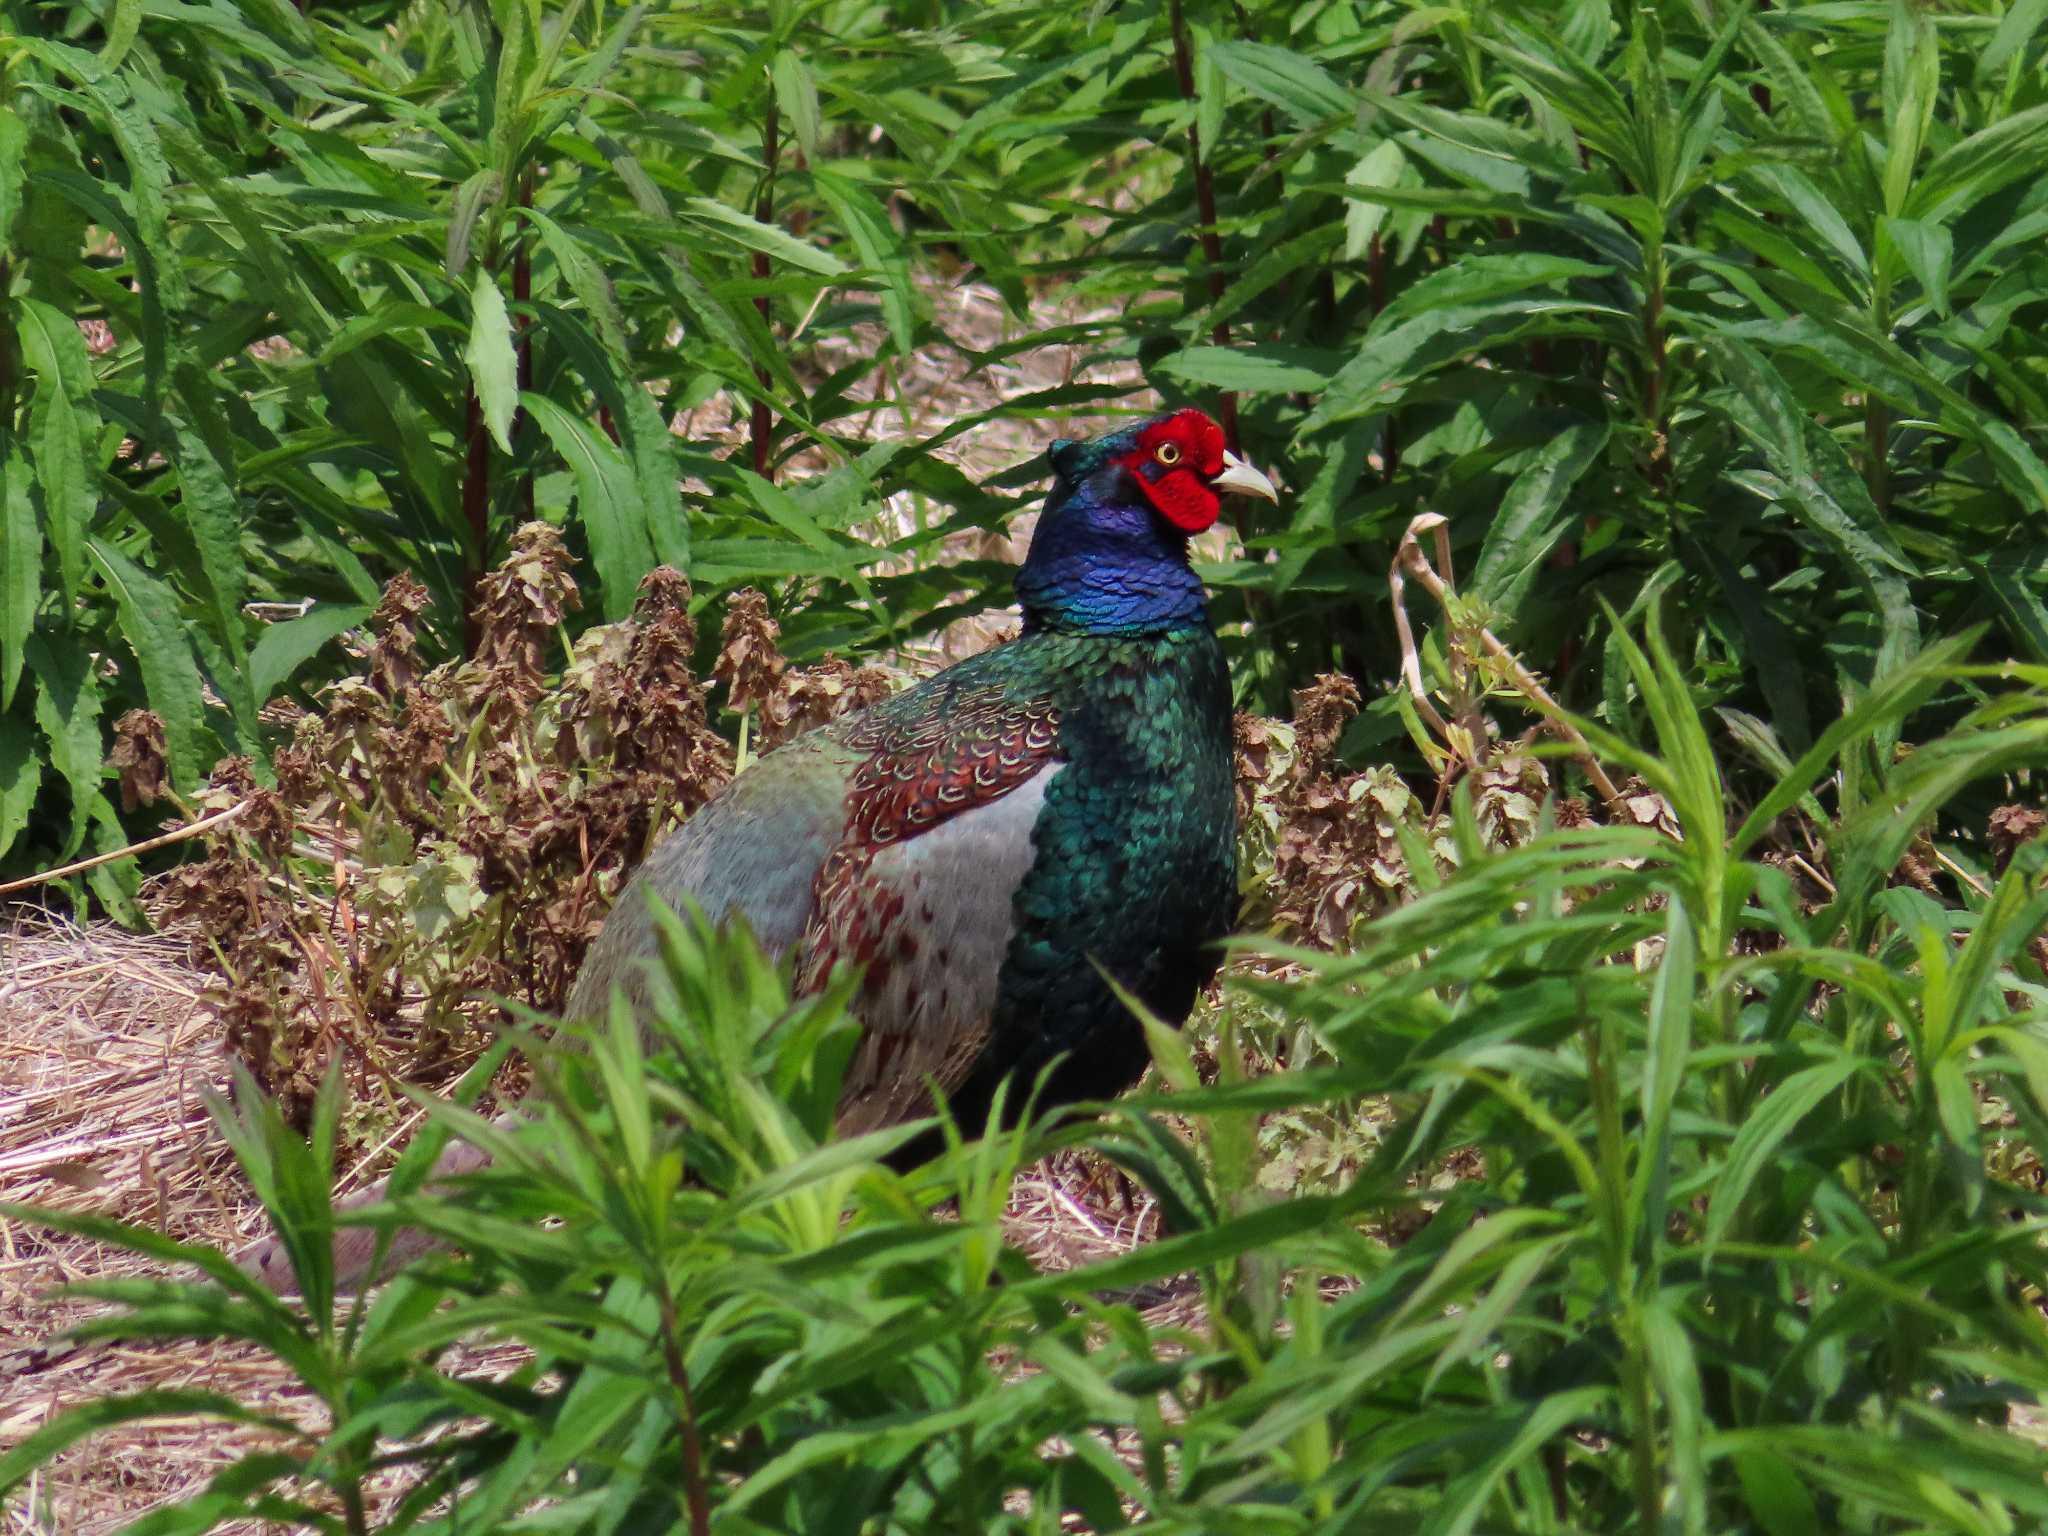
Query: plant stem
10	367
476	513
1205	210
522	294
1376	283
1656	405
1877	427
696	1493
762	424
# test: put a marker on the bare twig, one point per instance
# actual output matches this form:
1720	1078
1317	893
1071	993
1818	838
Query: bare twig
1411	660
1799	862
149	845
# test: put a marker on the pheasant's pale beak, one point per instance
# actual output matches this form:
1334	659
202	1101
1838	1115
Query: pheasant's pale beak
1241	477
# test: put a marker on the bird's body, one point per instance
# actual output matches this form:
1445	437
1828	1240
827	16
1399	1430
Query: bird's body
992	846
979	844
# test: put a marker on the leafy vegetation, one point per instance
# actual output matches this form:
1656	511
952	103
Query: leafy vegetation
1651	1156
1754	1240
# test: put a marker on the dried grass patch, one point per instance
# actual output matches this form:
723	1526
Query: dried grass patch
105	1050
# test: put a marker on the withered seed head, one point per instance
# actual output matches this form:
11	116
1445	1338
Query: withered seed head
266	820
2012	825
665	592
812	696
395	657
749	661
138	756
520	604
1321	711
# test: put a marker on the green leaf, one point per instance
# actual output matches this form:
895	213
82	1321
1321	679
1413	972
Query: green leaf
1232	368
13	170
135	133
1675	1368
2022	22
475	195
1813	476
1666	1057
121	30
789	513
1535	1426
493	359
212	514
1478	278
283	648
2026	617
881	251
21	774
607	499
1297	86
1533	516
1965	173
588	281
63	432
1394	354
746	230
68	713
152	624
1760	1136
1776	1494
643	433
76	1423
1209	92
1912	81
1927	250
796	94
21	568
1381	166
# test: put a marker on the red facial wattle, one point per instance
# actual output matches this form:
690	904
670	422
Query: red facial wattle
1173	464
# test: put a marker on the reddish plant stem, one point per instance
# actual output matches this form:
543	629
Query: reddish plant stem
1759	93
763	423
696	1491
476	513
1539	349
522	295
1653	386
1877	426
800	218
1205	209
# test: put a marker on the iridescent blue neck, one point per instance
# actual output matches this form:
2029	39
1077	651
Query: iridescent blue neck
1102	561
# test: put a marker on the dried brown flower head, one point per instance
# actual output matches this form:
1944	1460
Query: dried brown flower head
1321	711
812	696
265	820
395	655
750	663
2012	825
138	757
521	604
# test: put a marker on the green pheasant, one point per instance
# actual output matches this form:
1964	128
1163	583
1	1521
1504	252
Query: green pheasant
992	845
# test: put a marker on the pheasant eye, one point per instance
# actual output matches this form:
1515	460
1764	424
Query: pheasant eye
1167	453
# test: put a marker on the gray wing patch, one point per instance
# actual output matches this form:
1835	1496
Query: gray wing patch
927	1012
752	851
